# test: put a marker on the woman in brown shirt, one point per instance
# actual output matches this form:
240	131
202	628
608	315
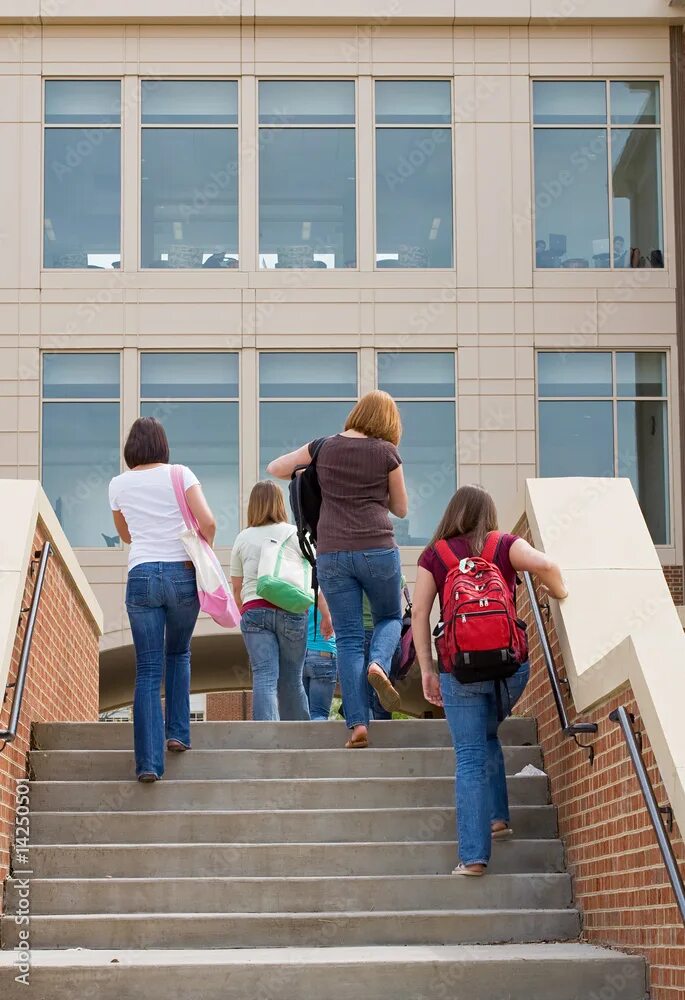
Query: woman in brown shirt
361	479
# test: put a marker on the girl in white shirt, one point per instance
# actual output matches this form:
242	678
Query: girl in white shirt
161	591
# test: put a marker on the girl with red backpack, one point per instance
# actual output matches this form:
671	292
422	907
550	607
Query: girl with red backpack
482	655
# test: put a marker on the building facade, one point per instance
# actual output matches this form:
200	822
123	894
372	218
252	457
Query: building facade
494	205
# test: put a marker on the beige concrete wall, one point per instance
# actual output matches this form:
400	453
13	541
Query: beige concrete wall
494	309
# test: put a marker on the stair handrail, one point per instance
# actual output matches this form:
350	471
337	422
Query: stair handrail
8	735
575	729
625	720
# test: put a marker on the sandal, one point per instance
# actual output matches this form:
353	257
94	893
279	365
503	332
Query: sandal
175	746
148	778
360	742
503	834
380	682
463	870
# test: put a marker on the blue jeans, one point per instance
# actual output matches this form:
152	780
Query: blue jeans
162	605
320	675
276	644
376	710
344	578
482	798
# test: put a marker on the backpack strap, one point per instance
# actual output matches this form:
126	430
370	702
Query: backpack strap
492	541
447	557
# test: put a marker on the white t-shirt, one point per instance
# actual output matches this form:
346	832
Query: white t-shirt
147	500
246	551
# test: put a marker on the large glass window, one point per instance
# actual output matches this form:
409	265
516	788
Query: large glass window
196	396
598	175
81	443
307	174
424	387
82	174
302	397
189	182
414	174
606	414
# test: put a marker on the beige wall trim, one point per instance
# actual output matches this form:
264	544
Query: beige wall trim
378	12
677	39
619	624
23	505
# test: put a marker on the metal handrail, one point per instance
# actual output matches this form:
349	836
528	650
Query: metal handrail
575	729
625	720
10	734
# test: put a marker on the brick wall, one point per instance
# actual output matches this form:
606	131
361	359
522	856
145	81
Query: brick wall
230	706
62	680
674	579
619	878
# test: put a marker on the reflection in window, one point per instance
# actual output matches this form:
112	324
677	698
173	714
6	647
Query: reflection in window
413	174
207	399
617	436
424	387
81	443
189	182
307	175
82	174
302	397
582	171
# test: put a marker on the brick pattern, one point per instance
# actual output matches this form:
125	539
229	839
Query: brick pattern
674	579
620	881
229	706
61	685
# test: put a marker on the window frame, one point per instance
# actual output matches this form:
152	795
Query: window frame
259	399
85	399
280	78
614	399
430	399
140	125
201	399
453	154
609	127
43	127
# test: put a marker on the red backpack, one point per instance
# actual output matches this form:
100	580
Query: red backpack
479	638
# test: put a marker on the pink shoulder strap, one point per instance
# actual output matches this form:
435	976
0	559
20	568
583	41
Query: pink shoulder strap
178	485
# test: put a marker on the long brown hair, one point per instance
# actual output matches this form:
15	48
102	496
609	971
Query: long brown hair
266	505
471	512
146	443
377	416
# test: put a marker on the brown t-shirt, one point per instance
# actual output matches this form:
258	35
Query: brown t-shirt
353	474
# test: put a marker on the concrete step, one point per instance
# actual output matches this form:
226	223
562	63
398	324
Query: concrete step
282	930
270	735
289	895
496	972
304	793
303	826
200	860
118	765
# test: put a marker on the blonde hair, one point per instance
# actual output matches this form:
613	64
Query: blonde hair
470	512
377	416
266	505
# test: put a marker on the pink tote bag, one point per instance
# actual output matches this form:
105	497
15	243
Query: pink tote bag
213	590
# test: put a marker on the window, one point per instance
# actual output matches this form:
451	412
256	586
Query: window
424	386
605	414
189	183
81	443
196	396
598	184
414	173
198	707
302	397
307	174
82	174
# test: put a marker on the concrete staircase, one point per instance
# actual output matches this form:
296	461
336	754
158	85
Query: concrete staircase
272	864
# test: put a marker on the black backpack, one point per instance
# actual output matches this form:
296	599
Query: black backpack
305	502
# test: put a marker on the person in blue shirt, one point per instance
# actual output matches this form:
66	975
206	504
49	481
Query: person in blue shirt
320	666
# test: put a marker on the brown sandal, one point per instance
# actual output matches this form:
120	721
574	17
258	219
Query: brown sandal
357	743
175	746
387	695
